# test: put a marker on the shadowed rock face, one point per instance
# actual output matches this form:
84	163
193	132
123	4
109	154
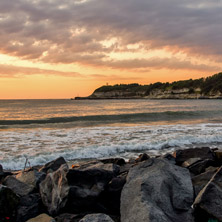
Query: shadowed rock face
157	190
29	207
86	187
8	203
209	200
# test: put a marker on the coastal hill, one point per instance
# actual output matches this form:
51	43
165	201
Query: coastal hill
203	88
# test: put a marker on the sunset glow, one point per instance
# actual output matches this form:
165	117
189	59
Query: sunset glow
63	49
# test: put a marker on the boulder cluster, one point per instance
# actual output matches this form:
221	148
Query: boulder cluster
183	186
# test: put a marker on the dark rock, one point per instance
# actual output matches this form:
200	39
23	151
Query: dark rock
200	181
31	177
218	155
4	174
8	203
96	218
54	190
17	186
113	168
202	153
53	165
200	166
142	157
118	161
85	188
69	217
209	199
157	190
29	207
170	158
110	198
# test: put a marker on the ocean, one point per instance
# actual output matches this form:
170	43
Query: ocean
42	130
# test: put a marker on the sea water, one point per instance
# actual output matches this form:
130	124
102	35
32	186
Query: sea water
42	130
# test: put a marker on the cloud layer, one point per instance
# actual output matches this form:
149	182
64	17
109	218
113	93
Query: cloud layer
86	32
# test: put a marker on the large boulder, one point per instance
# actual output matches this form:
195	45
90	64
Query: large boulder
42	218
54	190
53	165
8	203
29	207
209	199
32	177
17	186
202	153
96	218
86	186
157	190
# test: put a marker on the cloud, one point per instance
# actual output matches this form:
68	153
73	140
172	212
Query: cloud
8	71
74	31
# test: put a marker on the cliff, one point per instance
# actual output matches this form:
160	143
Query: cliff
203	88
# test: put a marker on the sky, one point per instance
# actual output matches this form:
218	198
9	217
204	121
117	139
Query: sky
63	49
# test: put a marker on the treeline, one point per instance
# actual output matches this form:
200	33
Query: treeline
211	84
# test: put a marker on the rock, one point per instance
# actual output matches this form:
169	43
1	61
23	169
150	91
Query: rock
190	161
202	153
17	186
99	165
110	198
1	169
29	207
200	181
117	161
96	218
31	177
142	157
54	190
209	199
8	203
42	218
200	166
157	190
170	158
53	165
4	174
125	168
218	155
86	187
69	217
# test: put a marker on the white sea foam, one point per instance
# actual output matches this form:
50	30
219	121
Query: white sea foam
43	145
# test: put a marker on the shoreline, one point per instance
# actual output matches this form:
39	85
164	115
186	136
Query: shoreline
109	189
146	98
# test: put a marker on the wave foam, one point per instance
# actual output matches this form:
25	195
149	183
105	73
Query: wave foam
42	145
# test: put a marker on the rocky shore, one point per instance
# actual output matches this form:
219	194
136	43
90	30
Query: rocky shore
183	186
